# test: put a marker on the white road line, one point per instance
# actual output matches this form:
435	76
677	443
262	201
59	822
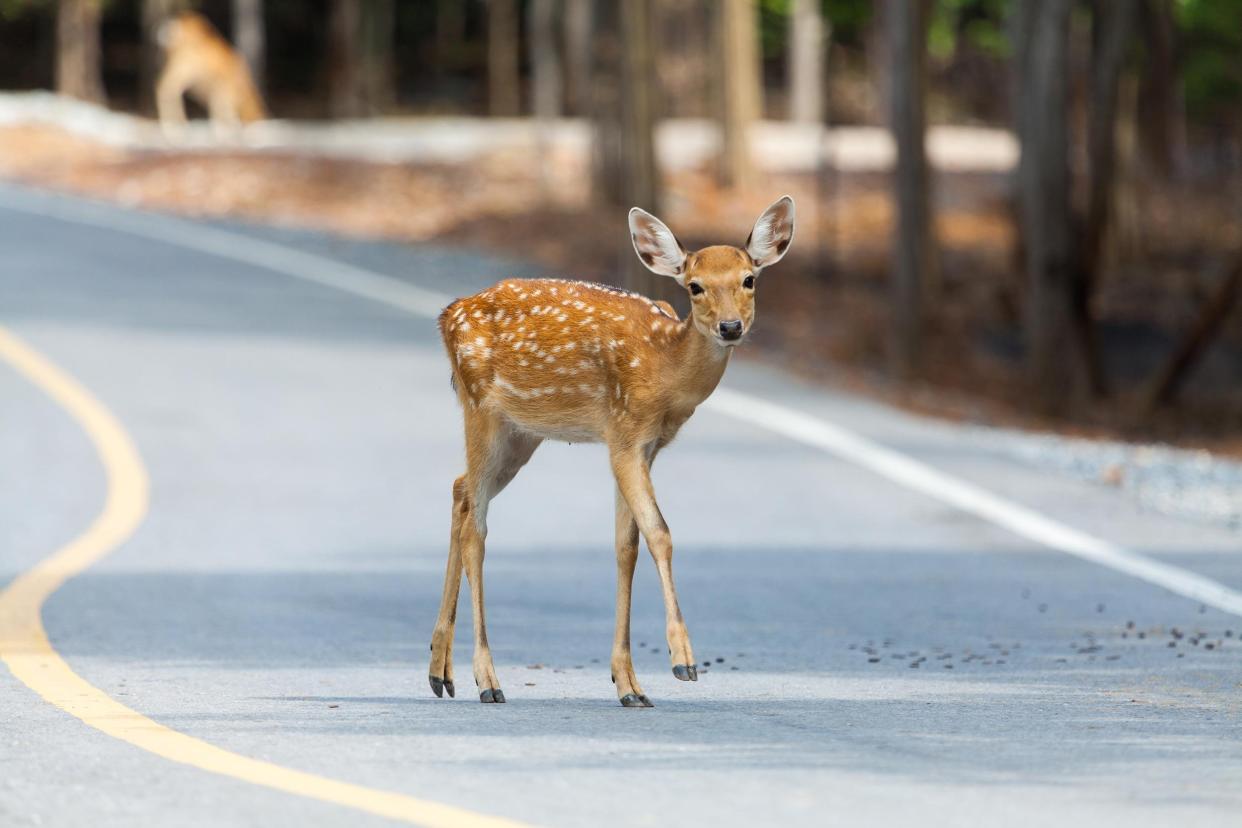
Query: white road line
920	477
804	428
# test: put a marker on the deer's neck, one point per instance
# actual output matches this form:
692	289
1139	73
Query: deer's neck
696	362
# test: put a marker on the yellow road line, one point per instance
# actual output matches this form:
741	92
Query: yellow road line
25	648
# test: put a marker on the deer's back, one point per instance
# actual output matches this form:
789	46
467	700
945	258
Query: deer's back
561	359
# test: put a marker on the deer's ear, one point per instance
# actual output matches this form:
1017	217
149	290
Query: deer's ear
772	233
656	245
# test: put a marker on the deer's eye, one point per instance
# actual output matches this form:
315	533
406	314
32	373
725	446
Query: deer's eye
749	281
695	288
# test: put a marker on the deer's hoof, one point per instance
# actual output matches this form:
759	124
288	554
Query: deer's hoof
490	696
635	700
686	672
452	691
437	686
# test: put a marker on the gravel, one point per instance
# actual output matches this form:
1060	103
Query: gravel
1193	484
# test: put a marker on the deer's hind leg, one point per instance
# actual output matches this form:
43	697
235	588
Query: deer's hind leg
440	673
495	452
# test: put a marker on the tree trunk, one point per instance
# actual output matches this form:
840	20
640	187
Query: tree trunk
78	70
1110	35
450	33
578	19
377	81
250	37
504	95
545	59
1045	199
641	179
605	96
624	90
154	13
808	46
1168	380
685	53
739	90
878	62
913	256
1159	122
546	83
344	89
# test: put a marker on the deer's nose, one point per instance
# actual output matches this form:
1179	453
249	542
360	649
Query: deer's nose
731	330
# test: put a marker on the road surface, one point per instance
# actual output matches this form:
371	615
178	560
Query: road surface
883	648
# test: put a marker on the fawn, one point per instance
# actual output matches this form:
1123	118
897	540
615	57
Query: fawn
545	359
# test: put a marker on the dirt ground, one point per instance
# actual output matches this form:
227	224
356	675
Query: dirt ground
823	312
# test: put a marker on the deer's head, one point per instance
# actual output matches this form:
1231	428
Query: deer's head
721	279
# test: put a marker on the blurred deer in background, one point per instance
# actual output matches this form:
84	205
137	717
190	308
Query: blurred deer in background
199	61
544	359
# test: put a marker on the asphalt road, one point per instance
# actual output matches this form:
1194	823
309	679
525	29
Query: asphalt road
278	598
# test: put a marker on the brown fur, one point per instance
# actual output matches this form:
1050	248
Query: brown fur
546	359
200	62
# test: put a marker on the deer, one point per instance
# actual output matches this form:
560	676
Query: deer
201	62
549	359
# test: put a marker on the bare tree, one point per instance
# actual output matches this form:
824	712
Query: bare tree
504	95
1043	28
913	255
739	92
250	36
78	70
808	44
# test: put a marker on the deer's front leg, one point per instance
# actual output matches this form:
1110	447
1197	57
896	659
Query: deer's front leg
628	691
473	536
630	468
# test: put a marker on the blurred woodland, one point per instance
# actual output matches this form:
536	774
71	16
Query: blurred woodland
1094	285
